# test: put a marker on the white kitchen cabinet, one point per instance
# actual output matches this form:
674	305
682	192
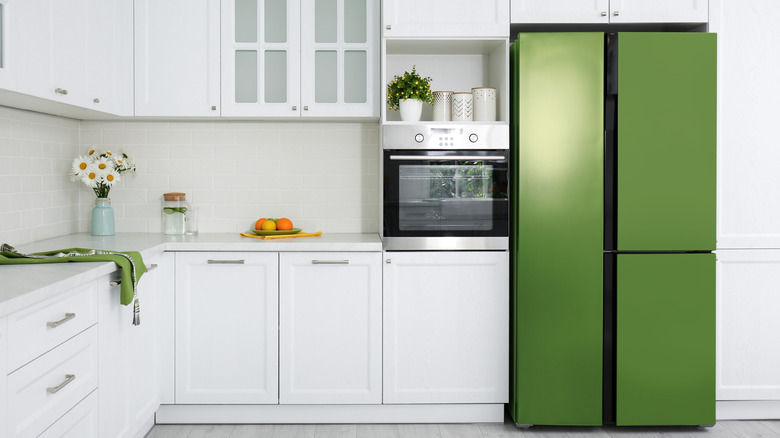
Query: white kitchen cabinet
748	329
129	356
105	88
446	327
177	58
300	58
3	379
226	328
79	422
609	11
330	332
7	77
445	18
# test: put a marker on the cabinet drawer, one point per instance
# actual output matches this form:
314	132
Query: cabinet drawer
41	327
48	387
79	422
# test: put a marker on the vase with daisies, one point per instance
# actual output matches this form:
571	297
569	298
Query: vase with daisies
100	171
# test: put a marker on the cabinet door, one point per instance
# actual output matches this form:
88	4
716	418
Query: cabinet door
339	58
658	11
7	77
330	332
445	18
69	55
3	378
226	328
446	327
261	58
31	54
177	58
748	327
560	11
79	422
103	52
665	346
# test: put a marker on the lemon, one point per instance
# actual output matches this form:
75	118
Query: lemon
268	225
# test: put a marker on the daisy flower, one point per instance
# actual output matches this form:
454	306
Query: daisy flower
91	176
79	167
109	177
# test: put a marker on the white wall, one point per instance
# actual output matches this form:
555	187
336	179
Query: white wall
323	176
37	199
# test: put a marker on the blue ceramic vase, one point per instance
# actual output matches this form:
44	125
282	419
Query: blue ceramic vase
102	218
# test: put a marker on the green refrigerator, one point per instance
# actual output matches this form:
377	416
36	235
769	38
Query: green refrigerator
613	228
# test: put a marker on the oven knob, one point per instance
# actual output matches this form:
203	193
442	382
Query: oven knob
419	138
473	138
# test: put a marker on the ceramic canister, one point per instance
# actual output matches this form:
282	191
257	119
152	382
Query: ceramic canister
484	104
462	106
442	106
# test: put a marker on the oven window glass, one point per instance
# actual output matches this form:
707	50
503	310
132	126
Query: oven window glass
446	197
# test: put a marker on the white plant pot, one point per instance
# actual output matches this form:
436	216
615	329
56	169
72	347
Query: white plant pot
411	110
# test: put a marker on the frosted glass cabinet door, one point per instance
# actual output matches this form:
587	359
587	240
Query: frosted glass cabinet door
261	58
339	58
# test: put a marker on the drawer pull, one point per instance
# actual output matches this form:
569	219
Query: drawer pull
330	262
152	267
54	389
115	283
226	262
68	317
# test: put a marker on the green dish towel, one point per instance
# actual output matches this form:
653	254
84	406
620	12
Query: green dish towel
131	262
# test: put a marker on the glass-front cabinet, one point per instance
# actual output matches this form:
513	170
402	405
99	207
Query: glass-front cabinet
283	58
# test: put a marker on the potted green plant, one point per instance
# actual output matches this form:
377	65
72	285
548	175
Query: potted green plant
408	92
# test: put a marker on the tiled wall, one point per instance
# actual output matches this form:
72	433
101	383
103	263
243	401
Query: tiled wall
37	199
323	176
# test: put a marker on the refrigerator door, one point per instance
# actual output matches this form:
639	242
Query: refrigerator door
557	211
665	339
666	141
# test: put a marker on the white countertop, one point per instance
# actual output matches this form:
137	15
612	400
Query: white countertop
24	285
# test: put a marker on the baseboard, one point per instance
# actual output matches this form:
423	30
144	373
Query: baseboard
747	410
145	428
282	414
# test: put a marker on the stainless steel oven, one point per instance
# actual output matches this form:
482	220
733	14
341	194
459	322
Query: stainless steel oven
448	193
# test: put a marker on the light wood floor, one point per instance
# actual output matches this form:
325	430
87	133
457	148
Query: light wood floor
724	429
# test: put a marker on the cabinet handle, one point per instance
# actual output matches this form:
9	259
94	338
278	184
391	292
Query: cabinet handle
68	317
96	100
54	389
306	108
388	261
152	267
388	27
295	108
616	13
61	91
330	262
226	262
115	283
603	13
213	107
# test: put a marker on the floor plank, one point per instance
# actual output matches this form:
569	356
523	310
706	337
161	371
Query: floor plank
773	425
169	431
211	431
460	431
253	431
418	431
377	431
750	429
294	430
501	430
335	431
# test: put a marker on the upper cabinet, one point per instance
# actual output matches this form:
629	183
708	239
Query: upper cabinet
177	58
283	58
445	18
609	11
66	51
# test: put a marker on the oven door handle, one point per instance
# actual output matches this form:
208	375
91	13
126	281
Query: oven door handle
448	158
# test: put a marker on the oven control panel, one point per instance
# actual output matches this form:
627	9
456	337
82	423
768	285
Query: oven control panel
449	136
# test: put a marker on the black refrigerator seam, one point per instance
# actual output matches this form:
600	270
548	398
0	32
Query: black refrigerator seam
609	394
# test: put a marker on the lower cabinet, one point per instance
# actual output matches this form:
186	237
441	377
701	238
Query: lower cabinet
79	422
330	328
130	368
446	327
226	328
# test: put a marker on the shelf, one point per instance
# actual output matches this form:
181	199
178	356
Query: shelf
434	123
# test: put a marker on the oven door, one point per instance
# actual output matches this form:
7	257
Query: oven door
446	200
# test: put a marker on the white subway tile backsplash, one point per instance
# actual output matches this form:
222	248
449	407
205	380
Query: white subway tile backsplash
322	175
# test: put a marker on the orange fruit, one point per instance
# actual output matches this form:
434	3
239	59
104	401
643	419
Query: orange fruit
284	224
259	223
268	226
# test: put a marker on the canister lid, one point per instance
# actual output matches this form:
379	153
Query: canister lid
174	196
483	88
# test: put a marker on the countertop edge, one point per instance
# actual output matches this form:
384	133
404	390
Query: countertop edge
67	276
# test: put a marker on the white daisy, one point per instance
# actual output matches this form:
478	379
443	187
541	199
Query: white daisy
109	177
104	164
79	167
91	176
